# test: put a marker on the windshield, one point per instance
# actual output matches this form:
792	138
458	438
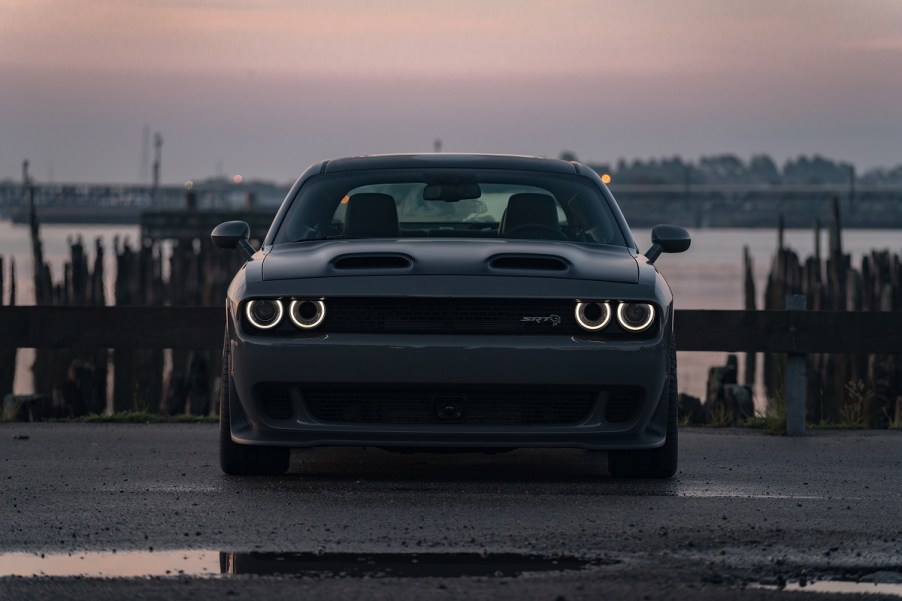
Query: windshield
450	203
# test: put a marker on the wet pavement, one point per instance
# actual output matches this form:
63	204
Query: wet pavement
143	511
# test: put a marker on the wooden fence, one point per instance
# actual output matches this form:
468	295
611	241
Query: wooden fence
793	332
159	327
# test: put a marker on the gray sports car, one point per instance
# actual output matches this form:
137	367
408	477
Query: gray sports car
463	302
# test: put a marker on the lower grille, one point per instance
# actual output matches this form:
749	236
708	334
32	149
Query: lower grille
276	402
443	406
621	405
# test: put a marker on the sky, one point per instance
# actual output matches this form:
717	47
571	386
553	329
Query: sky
265	88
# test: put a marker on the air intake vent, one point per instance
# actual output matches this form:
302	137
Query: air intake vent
622	405
372	262
276	401
528	263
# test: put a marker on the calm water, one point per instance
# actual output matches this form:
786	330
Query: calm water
708	276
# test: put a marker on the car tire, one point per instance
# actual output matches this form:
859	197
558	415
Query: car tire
662	461
239	459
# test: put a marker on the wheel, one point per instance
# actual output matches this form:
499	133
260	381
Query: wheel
239	459
653	463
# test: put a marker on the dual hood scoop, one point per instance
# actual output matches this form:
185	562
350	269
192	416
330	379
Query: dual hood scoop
367	261
501	258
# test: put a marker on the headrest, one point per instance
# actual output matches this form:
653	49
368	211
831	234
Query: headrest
529	208
371	215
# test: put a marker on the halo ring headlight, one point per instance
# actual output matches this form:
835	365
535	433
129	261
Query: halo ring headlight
307	314
256	312
593	316
635	323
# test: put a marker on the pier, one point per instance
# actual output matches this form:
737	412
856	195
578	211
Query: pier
698	205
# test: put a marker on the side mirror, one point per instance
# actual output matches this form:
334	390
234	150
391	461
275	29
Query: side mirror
233	234
668	239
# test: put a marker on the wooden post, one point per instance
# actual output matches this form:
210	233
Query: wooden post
796	379
781	225
7	355
749	289
817	240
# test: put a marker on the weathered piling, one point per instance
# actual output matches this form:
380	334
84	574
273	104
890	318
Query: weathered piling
855	390
199	275
138	375
7	355
75	381
796	385
751	359
183	270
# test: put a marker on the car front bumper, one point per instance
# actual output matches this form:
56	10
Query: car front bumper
454	363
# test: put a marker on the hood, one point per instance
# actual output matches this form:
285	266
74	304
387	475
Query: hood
533	258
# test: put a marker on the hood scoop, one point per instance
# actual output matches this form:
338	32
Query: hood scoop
371	261
528	263
361	258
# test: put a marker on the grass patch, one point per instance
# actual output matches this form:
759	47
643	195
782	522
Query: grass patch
826	425
773	420
138	417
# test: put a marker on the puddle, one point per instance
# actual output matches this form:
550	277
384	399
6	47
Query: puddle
121	564
840	586
401	565
147	564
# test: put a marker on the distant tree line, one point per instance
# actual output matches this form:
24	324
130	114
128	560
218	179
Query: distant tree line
730	169
715	169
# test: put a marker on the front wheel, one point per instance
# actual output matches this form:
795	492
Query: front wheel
653	463
240	459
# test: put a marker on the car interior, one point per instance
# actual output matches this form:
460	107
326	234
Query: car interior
468	210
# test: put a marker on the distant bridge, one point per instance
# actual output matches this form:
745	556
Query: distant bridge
102	195
693	205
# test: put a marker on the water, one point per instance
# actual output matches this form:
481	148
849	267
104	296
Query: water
708	276
840	587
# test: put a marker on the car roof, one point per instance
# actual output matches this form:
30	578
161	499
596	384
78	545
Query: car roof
448	160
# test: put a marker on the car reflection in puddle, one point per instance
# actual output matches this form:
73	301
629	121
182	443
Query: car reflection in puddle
400	565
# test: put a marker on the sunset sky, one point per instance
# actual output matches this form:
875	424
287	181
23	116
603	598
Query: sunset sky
264	88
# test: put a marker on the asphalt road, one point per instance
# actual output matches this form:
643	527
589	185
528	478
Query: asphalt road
745	509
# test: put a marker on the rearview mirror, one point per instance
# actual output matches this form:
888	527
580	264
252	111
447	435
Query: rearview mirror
451	192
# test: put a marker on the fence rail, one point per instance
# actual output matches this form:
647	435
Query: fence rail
794	332
138	327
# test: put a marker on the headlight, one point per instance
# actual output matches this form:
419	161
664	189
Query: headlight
635	317
307	314
593	316
264	314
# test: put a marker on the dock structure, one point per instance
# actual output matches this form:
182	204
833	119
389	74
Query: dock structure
195	225
701	205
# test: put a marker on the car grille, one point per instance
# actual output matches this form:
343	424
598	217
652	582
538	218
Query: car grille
422	406
443	406
440	315
275	401
622	405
